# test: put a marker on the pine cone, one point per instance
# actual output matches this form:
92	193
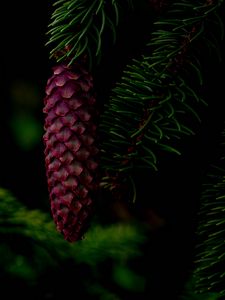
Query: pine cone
71	156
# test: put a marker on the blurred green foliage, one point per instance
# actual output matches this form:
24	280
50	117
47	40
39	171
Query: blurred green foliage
39	263
26	129
25	124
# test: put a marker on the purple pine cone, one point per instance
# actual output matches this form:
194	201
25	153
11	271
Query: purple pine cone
71	155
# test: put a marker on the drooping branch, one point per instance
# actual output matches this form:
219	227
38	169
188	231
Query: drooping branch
148	108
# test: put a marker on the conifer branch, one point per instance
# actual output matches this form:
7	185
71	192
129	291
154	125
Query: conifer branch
209	265
77	27
147	109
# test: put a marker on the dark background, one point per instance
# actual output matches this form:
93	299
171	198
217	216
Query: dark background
24	71
173	193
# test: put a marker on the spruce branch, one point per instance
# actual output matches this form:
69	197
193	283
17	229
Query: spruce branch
78	26
152	104
209	265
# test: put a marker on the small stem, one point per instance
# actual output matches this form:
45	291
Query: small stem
139	131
